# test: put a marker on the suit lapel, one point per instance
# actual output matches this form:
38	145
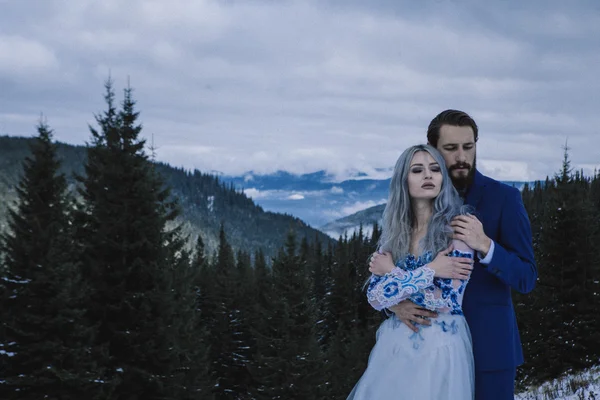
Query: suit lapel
476	191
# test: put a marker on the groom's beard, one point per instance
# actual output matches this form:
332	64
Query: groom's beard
464	182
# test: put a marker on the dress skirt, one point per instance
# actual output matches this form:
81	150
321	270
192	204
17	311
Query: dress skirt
434	364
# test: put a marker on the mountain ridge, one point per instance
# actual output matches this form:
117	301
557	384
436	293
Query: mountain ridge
205	201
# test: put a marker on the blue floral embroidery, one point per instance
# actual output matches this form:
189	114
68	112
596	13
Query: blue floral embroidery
446	327
418	284
411	262
391	289
374	280
448	295
397	285
416	338
418	298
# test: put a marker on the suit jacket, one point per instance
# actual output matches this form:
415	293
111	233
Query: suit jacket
487	302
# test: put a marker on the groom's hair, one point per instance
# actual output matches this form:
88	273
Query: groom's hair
449	117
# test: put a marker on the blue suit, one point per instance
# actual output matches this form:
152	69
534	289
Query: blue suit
487	303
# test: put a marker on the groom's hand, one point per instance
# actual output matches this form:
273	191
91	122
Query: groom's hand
470	230
411	314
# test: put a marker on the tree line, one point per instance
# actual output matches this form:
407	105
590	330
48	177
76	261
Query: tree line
558	320
206	201
101	299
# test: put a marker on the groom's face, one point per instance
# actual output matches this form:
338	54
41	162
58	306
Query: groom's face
457	145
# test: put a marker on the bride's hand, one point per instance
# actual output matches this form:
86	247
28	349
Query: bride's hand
451	267
381	263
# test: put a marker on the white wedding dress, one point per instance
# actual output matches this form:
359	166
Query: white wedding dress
434	364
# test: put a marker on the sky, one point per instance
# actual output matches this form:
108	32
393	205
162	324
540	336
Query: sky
338	85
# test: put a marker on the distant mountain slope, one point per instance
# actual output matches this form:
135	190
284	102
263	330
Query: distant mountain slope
318	198
366	218
205	201
315	198
352	223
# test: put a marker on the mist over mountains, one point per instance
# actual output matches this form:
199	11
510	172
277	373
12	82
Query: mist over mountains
334	207
273	202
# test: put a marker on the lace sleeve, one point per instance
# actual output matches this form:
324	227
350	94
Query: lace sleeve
446	294
397	285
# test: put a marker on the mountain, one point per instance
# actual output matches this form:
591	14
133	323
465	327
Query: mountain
205	200
319	198
352	223
368	217
316	198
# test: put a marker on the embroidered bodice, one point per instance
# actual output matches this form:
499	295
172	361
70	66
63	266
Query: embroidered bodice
412	279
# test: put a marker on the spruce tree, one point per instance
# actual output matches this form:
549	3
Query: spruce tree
243	308
130	259
45	351
355	319
557	336
288	362
226	325
261	321
203	281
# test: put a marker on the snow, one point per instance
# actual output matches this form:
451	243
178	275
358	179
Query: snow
584	385
24	281
7	353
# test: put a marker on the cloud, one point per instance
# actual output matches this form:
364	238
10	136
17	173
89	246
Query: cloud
505	170
256	194
283	194
22	57
307	85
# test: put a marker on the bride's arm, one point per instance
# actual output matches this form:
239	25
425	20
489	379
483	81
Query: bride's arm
397	285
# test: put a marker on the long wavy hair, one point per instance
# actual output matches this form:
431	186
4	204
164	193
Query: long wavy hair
399	219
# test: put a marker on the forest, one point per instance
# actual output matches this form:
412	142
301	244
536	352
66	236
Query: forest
102	298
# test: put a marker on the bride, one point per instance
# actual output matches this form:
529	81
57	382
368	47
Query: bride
418	260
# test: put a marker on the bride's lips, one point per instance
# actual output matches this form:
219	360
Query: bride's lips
428	186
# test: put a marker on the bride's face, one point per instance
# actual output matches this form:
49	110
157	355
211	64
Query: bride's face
424	176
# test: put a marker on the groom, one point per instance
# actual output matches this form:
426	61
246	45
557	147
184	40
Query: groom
500	233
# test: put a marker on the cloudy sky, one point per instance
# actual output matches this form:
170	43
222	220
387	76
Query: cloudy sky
340	85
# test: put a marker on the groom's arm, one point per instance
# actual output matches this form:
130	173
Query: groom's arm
512	259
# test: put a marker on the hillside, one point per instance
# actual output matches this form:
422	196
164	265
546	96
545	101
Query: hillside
367	217
352	223
205	201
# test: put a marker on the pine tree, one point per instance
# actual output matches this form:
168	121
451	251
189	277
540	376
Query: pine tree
130	261
226	326
261	321
288	362
202	284
356	321
243	339
45	342
200	261
325	310
583	292
344	286
557	334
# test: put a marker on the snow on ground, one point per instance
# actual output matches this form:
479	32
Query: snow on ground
584	385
